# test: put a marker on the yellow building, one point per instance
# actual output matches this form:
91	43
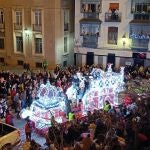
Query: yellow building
32	31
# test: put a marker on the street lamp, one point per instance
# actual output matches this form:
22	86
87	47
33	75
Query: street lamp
27	32
124	40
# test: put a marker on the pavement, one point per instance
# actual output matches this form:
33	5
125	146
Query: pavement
17	69
20	123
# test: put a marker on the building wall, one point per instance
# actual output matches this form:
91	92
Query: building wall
52	31
122	52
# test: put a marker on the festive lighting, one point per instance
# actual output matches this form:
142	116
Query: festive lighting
103	86
50	102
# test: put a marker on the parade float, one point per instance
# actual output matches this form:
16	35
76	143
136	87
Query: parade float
50	102
103	86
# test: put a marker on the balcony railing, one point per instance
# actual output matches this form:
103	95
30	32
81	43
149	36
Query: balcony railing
90	34
2	26
37	27
90	41
142	16
91	15
17	26
112	17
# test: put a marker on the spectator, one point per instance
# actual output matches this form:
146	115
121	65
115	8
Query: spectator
28	130
87	142
9	118
107	106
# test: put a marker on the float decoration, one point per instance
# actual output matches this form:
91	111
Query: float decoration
50	102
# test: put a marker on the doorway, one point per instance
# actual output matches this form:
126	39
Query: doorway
90	58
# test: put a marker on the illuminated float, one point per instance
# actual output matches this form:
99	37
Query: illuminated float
50	102
104	86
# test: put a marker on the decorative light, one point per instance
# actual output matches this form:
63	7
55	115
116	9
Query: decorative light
27	32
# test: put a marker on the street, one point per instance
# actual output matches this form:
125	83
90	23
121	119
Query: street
20	123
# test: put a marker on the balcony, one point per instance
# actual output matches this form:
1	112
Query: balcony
112	17
37	27
141	17
90	41
92	15
17	26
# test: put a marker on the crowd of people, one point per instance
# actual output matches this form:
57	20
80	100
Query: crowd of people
112	128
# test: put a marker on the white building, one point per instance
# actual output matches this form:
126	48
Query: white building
112	31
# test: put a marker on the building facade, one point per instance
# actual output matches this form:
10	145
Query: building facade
32	31
112	31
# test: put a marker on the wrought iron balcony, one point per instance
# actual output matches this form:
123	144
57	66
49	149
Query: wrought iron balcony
142	17
112	17
90	41
93	15
37	27
17	26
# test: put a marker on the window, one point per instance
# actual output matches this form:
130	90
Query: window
112	35
89	29
18	17
66	20
20	62
113	6
38	17
65	44
91	6
65	63
1	16
2	60
38	65
19	44
140	7
1	43
38	45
